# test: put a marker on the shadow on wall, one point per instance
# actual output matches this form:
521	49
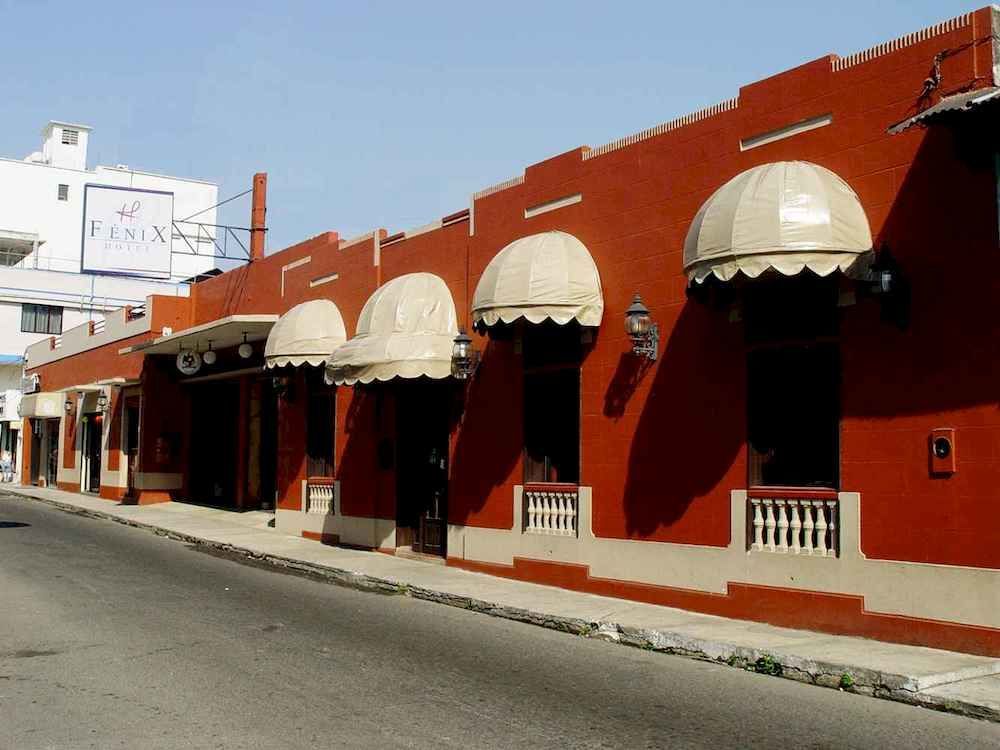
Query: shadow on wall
629	373
942	229
488	446
690	431
367	470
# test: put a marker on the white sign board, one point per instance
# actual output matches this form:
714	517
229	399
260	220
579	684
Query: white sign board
127	231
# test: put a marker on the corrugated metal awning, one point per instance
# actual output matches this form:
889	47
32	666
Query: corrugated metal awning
964	102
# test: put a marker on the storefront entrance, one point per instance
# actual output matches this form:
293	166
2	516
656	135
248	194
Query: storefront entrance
93	429
214	441
44	451
233	450
422	409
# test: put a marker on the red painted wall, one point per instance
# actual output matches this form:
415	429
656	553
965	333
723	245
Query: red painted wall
663	445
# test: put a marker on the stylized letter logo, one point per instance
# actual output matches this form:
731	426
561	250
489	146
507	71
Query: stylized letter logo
129	213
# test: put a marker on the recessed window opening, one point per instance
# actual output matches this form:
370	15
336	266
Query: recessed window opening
63	193
793	383
551	355
320	415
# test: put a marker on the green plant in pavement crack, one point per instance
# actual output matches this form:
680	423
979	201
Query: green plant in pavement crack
767	665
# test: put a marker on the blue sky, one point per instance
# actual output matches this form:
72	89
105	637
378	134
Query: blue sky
369	114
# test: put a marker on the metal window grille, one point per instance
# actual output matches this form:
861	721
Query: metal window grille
64	192
70	137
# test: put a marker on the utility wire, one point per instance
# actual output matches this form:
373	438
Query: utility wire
221	203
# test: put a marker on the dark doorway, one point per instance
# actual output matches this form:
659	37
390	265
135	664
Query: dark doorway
214	441
794	418
422	465
268	443
51	441
93	428
131	447
36	450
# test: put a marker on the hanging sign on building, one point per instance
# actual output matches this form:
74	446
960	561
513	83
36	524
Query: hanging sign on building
127	231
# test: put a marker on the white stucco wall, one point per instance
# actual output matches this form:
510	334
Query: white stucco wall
29	202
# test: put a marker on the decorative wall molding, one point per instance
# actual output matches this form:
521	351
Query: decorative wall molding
785	131
323	279
840	63
355	240
552	205
290	266
666	127
498	187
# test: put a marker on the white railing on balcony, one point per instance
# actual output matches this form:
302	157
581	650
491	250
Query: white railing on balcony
551	510
794	525
319	496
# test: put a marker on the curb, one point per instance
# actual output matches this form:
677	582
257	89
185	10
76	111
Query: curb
844	677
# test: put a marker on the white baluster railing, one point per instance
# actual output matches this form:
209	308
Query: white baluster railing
794	525
319	497
550	510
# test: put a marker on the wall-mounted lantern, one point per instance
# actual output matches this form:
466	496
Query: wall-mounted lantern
464	359
884	273
639	326
102	402
210	356
246	350
68	405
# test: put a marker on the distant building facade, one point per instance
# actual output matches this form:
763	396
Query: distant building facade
48	284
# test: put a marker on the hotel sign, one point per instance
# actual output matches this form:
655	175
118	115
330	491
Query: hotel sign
127	231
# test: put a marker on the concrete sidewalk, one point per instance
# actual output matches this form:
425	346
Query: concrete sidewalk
943	680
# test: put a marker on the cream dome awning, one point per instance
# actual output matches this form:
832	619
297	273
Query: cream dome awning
305	335
406	329
544	276
788	216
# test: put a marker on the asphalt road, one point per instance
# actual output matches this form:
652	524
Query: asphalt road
112	637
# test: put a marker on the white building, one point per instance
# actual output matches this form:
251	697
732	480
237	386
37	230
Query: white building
60	268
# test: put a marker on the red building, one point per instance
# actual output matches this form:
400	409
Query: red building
803	431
